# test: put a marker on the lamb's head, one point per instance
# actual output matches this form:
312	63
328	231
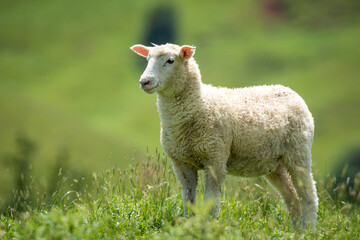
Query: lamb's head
167	67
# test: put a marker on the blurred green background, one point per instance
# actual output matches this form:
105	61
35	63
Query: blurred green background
69	82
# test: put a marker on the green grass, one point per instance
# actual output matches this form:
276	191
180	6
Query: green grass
144	202
69	81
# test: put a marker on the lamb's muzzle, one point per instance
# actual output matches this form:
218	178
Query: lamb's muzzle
148	84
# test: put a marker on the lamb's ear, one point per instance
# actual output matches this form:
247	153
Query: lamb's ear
141	50
187	52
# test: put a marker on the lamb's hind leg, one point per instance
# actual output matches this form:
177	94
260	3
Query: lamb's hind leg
304	183
281	181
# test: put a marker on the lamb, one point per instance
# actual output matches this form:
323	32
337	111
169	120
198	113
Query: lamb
253	131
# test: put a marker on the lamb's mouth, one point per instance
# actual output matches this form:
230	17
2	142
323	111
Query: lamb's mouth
150	89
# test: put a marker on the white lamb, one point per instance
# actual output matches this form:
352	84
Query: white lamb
255	131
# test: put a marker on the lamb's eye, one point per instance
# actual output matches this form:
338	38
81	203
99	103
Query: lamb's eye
170	61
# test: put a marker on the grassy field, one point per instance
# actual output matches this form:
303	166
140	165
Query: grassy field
69	88
69	80
144	202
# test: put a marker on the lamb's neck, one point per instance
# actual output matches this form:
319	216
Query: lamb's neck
174	110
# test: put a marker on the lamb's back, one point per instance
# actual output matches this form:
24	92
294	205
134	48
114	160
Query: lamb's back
266	121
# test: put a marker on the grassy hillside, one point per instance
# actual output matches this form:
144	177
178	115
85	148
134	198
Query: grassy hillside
144	202
69	80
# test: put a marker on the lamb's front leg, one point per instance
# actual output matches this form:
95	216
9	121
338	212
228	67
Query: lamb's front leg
214	178
188	178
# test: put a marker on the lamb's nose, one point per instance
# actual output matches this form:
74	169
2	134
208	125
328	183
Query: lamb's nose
145	81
